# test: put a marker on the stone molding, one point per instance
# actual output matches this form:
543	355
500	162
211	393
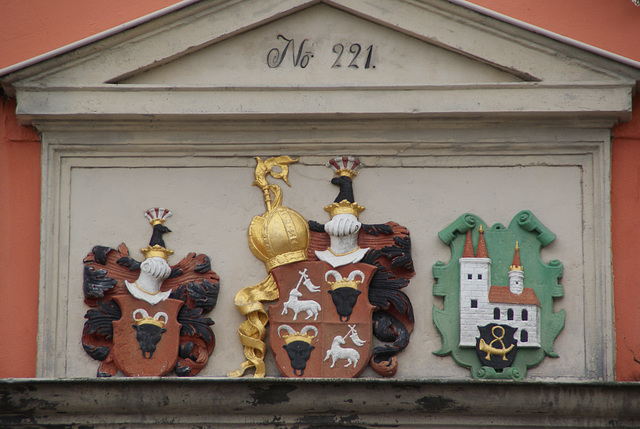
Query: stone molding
227	403
422	148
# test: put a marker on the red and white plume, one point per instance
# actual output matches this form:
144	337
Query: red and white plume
345	165
157	215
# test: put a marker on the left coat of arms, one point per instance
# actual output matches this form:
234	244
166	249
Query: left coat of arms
147	317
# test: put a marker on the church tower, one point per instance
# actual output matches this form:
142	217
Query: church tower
475	280
516	274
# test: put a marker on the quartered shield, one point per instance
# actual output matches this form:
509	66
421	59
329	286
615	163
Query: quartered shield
147	337
322	324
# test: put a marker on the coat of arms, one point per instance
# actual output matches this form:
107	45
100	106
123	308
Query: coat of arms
337	285
498	317
147	317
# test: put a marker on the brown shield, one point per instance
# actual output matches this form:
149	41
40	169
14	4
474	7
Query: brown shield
134	357
343	343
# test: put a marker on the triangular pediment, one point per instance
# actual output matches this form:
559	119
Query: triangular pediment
371	58
322	46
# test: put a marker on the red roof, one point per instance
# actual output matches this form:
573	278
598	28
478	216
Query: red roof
468	247
502	295
482	246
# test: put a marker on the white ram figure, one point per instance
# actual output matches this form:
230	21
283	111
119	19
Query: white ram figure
336	352
309	306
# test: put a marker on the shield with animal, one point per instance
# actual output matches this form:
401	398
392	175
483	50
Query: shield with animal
322	324
147	317
337	284
147	337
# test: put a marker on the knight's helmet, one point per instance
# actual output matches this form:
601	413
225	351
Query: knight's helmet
156	248
345	169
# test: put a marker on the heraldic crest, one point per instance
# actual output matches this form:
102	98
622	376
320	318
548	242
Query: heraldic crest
147	317
498	317
337	285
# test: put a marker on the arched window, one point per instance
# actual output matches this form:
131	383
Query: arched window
524	336
510	314
525	314
496	313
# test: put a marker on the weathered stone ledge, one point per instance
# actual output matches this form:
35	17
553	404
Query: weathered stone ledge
221	403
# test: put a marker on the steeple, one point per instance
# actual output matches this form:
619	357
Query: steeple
468	247
482	246
516	264
516	273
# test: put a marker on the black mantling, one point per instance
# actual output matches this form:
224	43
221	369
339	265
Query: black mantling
95	282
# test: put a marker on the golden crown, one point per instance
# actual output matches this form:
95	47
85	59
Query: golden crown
148	320
307	338
294	335
344	207
156	251
353	284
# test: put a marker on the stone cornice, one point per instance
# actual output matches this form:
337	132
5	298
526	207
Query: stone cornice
153	402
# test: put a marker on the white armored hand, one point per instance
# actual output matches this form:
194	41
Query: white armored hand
343	229
342	225
153	271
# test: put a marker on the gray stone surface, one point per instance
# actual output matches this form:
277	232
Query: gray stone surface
206	403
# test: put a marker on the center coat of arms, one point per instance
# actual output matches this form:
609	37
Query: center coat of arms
337	285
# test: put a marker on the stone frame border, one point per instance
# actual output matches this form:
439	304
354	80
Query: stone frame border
444	144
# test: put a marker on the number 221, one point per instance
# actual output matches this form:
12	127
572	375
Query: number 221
355	49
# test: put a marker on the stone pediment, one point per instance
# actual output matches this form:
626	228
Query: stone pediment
422	58
322	46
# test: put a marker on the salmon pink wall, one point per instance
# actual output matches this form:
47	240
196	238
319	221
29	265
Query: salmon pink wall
613	25
38	26
30	29
20	249
625	206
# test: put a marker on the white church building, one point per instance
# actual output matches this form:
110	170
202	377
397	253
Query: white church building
482	304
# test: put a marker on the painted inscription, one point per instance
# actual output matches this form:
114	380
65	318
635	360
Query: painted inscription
355	49
276	56
347	55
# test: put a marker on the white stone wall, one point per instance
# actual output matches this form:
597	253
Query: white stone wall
473	289
213	203
532	325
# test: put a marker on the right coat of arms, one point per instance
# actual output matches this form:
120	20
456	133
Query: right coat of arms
498	317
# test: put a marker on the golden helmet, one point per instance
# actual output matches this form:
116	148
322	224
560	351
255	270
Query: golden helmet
279	237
